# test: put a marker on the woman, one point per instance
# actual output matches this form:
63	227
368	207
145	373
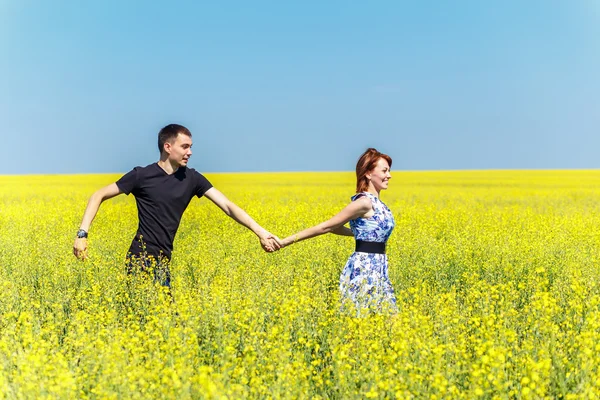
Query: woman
364	281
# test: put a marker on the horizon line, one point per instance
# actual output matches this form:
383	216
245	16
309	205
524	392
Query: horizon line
322	171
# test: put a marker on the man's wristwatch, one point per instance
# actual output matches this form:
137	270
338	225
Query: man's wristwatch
81	234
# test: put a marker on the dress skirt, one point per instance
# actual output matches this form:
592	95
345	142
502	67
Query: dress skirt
365	286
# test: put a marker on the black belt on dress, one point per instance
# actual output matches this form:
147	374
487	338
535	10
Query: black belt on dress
370	247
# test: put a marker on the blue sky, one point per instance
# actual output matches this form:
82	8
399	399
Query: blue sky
300	86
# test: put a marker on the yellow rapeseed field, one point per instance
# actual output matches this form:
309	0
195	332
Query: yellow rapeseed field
496	275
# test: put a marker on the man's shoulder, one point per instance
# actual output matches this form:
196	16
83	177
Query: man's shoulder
192	171
142	170
128	182
199	179
152	166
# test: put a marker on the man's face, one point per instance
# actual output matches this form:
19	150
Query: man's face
180	150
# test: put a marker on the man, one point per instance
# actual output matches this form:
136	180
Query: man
163	191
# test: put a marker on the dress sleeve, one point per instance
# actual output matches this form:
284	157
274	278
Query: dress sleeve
128	182
358	196
202	185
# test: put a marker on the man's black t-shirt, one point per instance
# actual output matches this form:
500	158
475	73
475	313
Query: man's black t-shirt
161	200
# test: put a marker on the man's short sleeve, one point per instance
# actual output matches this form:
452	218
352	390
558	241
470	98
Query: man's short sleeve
128	182
202	185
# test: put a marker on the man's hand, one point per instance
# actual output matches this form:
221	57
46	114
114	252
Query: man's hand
269	242
80	248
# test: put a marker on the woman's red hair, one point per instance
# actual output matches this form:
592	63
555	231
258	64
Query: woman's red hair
366	163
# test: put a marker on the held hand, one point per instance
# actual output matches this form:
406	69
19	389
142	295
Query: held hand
80	248
270	242
276	242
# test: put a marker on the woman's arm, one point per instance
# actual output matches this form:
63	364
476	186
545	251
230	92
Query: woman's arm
356	209
343	231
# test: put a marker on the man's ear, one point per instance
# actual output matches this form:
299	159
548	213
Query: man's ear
167	147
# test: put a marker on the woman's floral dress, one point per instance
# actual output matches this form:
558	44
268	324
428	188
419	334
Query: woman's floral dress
364	283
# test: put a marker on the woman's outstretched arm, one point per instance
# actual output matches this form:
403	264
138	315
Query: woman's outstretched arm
343	231
356	209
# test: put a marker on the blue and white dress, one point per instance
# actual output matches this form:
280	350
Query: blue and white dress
364	283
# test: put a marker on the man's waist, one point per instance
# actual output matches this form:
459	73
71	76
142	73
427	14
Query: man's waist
141	245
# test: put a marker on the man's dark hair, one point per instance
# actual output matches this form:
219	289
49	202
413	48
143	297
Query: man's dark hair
170	132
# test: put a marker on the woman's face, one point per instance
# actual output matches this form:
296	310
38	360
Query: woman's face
380	175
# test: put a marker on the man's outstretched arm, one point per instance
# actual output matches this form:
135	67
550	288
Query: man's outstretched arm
268	241
107	192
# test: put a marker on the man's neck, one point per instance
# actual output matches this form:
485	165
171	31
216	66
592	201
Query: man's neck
168	167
